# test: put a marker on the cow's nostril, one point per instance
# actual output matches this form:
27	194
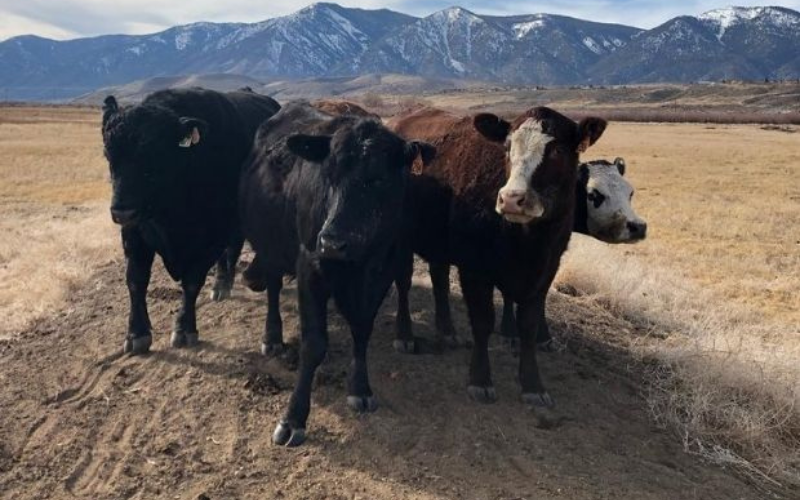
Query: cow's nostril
512	201
638	229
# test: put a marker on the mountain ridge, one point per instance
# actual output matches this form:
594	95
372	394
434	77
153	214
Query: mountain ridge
328	40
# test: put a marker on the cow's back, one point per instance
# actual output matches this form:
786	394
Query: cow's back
269	186
204	212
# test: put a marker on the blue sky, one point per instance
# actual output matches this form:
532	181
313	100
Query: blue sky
64	19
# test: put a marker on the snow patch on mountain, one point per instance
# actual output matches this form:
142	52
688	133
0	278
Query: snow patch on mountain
726	18
522	29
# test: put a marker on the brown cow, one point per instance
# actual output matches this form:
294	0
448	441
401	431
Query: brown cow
504	227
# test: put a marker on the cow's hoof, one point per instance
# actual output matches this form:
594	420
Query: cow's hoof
284	435
137	345
362	404
220	294
272	350
405	346
180	339
538	400
484	395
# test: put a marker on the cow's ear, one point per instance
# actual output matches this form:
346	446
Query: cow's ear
192	131
110	108
421	149
589	130
620	163
491	126
310	147
583	173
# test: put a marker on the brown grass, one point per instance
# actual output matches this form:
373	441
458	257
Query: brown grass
55	228
683	115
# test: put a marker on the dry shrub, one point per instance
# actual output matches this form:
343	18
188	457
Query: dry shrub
722	377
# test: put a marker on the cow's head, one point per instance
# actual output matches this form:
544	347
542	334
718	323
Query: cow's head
542	148
365	168
604	199
148	148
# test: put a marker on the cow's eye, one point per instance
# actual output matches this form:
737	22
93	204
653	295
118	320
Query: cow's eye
596	197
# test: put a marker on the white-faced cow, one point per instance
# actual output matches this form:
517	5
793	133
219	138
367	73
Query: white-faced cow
175	161
603	210
322	198
503	216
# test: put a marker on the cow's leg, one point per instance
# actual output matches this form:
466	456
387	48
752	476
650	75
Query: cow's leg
139	260
359	392
508	325
440	279
272	343
404	335
529	315
544	341
359	306
312	301
226	269
478	294
184	334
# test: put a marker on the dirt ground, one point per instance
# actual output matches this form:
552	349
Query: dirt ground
77	419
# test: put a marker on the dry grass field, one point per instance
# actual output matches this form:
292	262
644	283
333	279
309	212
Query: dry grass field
704	315
53	192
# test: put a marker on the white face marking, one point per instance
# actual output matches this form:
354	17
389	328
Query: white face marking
526	153
610	219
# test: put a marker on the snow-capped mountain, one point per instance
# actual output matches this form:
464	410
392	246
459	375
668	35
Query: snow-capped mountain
523	49
732	43
326	39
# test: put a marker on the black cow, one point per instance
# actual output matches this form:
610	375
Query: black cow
175	161
504	228
322	198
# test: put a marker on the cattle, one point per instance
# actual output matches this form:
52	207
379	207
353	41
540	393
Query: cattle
322	199
602	210
175	160
498	202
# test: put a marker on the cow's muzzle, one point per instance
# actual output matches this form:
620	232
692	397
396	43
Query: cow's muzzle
518	206
124	217
332	248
